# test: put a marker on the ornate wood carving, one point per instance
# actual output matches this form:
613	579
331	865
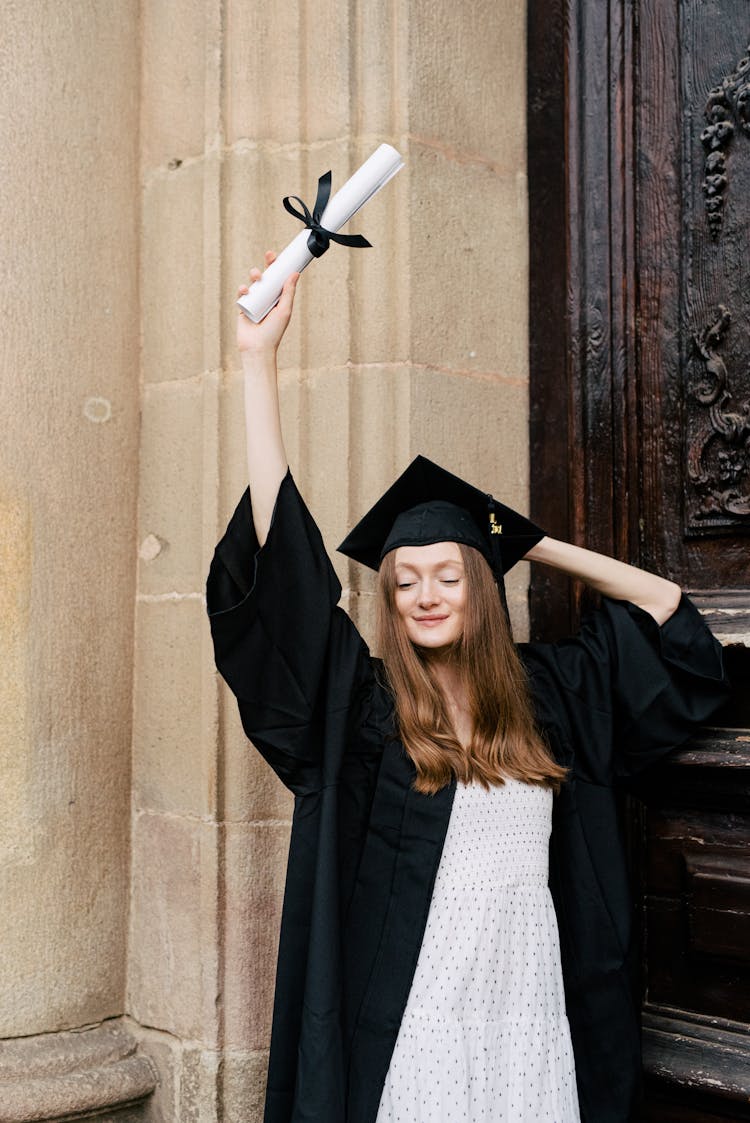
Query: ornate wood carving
719	445
727	104
639	381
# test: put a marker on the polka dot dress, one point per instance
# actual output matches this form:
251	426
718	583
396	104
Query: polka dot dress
484	1037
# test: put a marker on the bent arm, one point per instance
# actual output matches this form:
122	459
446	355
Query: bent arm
615	579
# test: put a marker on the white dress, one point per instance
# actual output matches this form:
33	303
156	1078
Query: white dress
484	1037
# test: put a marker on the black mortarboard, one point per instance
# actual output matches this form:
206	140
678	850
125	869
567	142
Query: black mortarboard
427	504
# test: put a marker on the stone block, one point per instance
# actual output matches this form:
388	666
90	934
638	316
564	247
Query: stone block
60	1076
256	858
200	1086
72	815
517	593
475	427
244	1086
290	77
381	277
172	272
172	470
469	255
477	106
380	50
175	45
165	1054
172	979
173	768
324	454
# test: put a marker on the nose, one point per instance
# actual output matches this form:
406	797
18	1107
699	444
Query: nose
428	594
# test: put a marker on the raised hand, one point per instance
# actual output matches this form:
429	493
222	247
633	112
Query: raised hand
266	336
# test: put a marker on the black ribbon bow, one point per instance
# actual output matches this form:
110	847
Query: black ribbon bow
320	238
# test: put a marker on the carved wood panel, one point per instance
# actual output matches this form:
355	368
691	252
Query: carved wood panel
639	192
716	265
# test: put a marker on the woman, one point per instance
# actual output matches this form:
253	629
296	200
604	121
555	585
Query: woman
431	967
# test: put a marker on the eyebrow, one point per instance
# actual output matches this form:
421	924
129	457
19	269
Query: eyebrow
437	565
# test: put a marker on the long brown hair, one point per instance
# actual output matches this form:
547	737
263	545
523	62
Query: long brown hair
505	741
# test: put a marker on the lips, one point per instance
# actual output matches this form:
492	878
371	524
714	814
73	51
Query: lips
430	619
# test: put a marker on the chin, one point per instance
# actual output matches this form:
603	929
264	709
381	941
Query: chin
435	643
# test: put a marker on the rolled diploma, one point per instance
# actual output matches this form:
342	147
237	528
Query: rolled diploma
366	182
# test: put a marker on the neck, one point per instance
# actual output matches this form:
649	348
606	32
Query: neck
446	672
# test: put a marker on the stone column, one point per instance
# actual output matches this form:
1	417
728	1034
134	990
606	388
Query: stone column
417	345
69	409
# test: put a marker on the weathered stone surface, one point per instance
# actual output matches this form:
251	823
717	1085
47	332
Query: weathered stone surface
244	1086
478	105
173	770
177	39
165	1054
468	249
65	1075
172	979
169	500
475	427
69	308
200	1086
172	271
256	858
289	87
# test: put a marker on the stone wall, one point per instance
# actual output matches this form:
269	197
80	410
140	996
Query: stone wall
416	345
69	403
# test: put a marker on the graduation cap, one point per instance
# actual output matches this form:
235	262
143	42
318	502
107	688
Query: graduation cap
428	504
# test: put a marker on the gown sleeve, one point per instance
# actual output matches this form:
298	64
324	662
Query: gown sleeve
292	658
625	690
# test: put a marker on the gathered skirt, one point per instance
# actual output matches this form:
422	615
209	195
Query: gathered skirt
484	1037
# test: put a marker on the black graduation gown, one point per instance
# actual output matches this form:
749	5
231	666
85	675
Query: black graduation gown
365	846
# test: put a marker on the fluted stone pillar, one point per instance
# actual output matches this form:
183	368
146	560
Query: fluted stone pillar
69	410
417	345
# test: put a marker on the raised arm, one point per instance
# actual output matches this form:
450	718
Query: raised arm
266	456
614	579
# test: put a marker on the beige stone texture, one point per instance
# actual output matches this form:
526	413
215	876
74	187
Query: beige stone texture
468	247
172	271
200	1086
177	39
169	500
69	386
165	1053
96	1070
174	947
244	1085
467	78
173	769
291	74
255	857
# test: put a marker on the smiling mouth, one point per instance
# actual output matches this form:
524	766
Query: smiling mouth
430	619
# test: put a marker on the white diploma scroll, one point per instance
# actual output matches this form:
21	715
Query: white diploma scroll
366	182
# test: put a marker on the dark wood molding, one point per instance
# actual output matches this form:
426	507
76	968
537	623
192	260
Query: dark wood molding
701	1061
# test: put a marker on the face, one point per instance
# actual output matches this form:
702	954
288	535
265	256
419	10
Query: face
431	593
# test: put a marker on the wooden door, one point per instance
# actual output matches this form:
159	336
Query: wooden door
639	184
